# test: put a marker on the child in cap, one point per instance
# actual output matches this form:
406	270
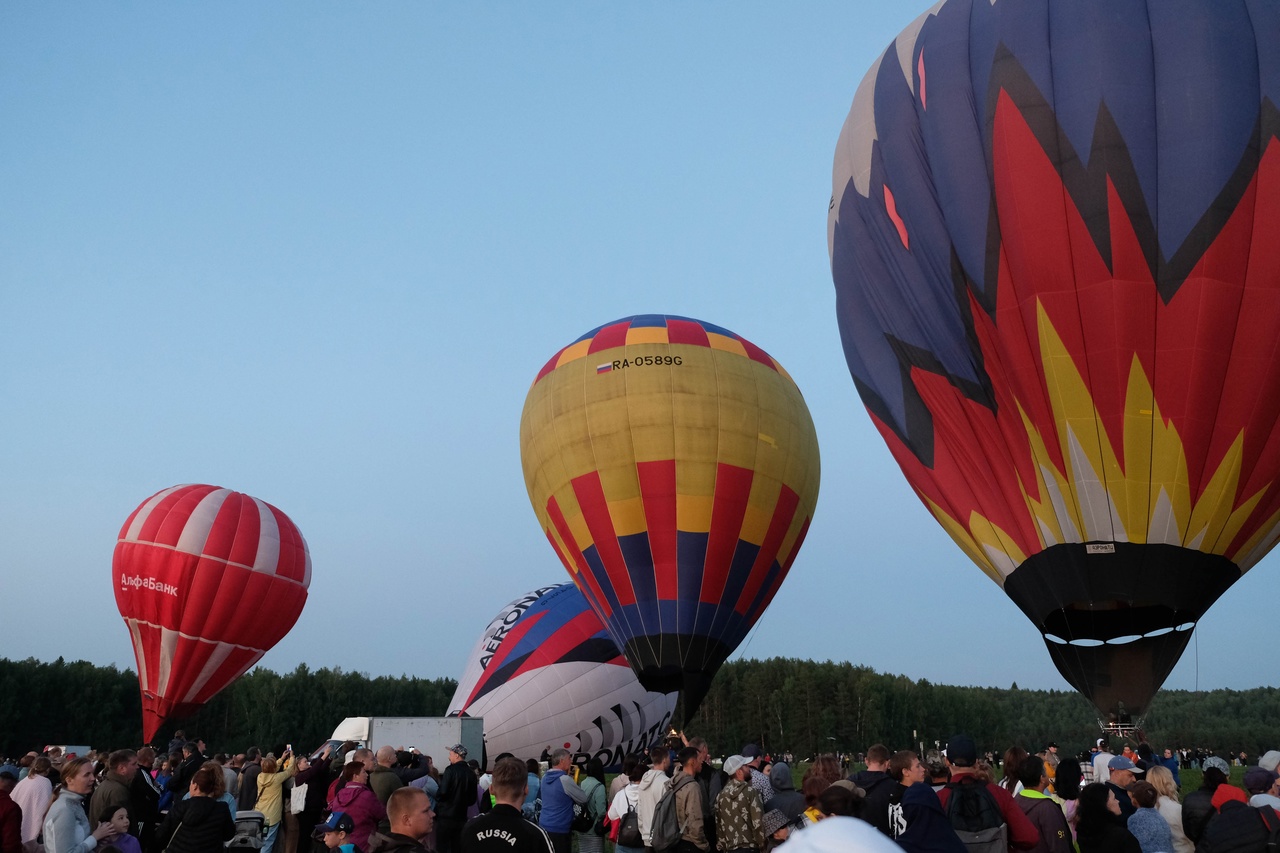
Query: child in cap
336	833
776	829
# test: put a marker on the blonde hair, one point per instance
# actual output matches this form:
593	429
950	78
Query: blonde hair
1162	779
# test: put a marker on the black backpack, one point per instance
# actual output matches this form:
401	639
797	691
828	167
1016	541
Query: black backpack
976	817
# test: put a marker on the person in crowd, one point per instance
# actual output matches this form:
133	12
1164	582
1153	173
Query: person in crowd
336	833
247	788
928	830
1223	790
1066	786
200	823
776	829
939	776
1101	760
219	791
1198	806
875	780
738	811
710	779
843	799
32	794
786	798
827	768
962	760
10	814
1123	773
533	773
811	789
1040	808
1263	786
559	793
163	773
1236	828
620	781
429	781
144	800
504	829
1012	765
114	791
905	770
180	778
270	802
688	796
457	795
66	824
1101	829
627	801
118	818
383	779
1169	761
654	784
315	776
759	779
593	785
410	818
354	797
1146	824
1167	804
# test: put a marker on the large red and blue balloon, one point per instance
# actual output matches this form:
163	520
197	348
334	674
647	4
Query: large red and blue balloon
207	580
1053	241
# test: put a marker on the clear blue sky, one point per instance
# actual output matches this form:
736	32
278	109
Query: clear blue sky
317	251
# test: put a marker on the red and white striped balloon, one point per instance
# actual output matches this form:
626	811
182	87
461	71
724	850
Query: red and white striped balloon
207	580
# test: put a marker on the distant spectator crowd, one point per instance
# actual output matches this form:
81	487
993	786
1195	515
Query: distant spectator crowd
673	799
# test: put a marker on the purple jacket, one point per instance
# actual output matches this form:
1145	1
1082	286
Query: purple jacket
365	809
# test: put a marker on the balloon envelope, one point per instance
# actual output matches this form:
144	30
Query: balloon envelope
673	466
546	673
207	581
1052	241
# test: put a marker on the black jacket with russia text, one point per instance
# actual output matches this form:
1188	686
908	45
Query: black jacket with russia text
504	829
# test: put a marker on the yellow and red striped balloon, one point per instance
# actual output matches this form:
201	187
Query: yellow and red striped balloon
673	466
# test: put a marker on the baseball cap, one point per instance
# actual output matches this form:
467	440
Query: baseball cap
849	785
750	751
840	834
459	749
962	751
1120	762
1270	760
337	822
1258	780
734	763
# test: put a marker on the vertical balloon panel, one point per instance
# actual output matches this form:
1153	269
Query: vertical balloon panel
674	468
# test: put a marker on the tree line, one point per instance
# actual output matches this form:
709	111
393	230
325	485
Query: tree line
783	704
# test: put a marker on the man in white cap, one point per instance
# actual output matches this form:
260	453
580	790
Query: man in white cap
739	812
1101	761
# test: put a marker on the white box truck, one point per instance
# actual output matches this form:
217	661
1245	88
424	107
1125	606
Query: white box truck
430	735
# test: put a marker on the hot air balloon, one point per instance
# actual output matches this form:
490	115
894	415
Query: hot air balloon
207	581
1058	289
546	673
673	466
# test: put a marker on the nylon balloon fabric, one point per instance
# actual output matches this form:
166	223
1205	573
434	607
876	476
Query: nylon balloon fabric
545	672
207	580
673	467
1052	241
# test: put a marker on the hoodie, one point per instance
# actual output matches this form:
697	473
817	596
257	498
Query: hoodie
654	784
786	798
928	829
879	787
